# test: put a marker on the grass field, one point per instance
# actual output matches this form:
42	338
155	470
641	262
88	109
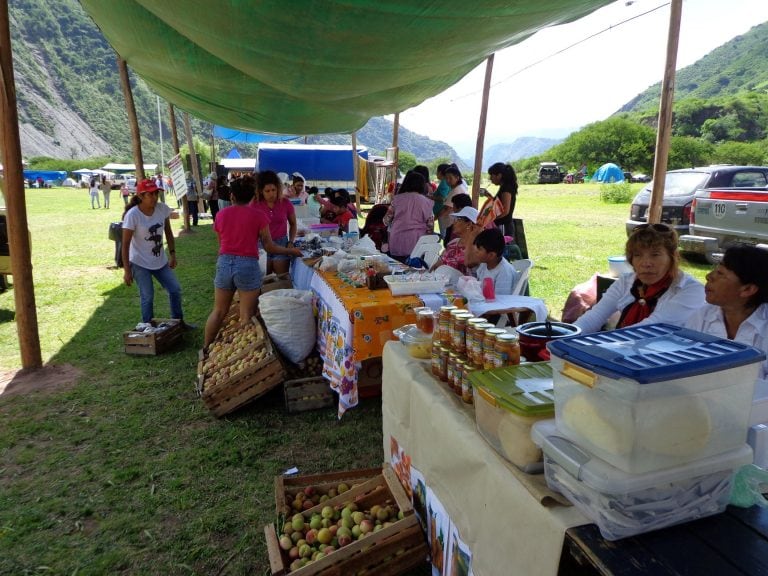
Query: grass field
126	472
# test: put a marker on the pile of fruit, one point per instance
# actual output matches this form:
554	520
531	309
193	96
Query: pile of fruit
305	540
237	348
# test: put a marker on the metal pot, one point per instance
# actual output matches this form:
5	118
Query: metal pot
535	335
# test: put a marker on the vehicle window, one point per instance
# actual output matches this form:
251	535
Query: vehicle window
749	180
682	183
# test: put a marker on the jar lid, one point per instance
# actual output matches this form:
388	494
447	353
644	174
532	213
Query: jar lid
495	331
458	311
507	337
426	313
486	326
477	321
465	316
447	308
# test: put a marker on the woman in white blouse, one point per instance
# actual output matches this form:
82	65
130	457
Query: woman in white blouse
657	291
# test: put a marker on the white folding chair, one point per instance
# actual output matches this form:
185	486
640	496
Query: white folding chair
523	269
427	248
431	254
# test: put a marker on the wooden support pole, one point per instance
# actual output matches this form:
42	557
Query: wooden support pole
665	114
481	132
176	149
395	137
13	188
355	171
133	123
193	159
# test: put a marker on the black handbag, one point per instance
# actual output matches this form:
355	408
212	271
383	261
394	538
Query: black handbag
116	231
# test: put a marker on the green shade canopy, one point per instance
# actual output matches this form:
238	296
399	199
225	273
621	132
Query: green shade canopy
314	66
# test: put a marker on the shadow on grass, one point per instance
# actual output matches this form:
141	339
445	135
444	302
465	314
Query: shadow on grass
132	472
6	316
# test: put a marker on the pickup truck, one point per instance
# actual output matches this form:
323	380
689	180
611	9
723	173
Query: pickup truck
722	217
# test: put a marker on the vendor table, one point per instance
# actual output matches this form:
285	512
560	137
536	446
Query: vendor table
508	520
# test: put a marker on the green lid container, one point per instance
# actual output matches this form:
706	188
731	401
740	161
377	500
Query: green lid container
525	390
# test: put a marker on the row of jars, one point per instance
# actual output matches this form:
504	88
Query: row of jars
462	342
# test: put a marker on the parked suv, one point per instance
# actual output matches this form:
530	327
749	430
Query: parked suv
680	187
550	173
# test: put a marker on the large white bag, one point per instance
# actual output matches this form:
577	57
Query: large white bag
290	321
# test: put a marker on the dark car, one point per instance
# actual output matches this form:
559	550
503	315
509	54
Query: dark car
680	187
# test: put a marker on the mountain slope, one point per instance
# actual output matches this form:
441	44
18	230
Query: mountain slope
71	104
741	64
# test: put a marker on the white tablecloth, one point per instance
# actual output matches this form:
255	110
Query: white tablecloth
507	529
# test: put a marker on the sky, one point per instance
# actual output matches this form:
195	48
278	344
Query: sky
585	83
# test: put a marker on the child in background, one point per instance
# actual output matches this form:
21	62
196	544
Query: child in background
338	213
489	247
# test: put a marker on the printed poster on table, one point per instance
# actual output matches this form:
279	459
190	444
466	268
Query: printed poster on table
459	560
410	478
438	533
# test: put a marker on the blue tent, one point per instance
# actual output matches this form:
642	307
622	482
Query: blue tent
608	173
249	137
233	154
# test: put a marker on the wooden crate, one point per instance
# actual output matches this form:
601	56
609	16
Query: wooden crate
276	282
369	378
286	487
222	396
309	393
222	357
391	551
153	343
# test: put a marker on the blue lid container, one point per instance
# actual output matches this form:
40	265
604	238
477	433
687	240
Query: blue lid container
653	353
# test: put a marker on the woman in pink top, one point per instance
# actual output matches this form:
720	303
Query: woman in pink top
281	216
409	216
240	228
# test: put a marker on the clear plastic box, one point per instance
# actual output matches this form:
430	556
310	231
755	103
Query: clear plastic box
624	505
399	286
508	401
651	397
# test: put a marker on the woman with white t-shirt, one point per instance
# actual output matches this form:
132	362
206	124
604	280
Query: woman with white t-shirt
145	222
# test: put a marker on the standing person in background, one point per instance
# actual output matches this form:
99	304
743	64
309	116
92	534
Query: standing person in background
192	198
409	216
439	196
211	194
429	190
280	214
144	224
223	192
160	186
240	227
457	186
125	193
106	188
297	189
94	192
503	175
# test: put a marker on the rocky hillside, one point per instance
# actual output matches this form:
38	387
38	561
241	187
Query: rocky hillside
71	104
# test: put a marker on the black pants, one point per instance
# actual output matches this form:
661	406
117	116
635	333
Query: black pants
193	211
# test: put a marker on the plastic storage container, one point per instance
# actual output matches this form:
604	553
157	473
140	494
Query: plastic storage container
618	265
417	343
401	286
508	401
650	397
624	504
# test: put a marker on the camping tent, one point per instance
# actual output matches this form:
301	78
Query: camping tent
609	173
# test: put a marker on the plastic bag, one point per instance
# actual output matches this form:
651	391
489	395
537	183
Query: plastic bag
746	491
470	288
290	321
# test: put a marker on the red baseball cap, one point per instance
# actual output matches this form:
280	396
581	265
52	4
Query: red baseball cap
146	185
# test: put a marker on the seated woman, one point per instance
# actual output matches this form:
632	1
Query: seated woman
465	229
459	201
737	300
375	227
409	216
657	291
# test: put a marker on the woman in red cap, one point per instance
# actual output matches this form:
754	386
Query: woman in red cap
144	223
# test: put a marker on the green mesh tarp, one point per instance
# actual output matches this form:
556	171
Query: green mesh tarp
314	66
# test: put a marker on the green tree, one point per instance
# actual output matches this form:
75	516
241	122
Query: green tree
746	153
686	152
406	161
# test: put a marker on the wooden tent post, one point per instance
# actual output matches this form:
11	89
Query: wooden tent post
176	149
130	108
193	159
355	171
665	113
481	132
395	136
13	184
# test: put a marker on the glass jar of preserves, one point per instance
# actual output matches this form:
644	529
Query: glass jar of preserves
459	333
458	376
489	341
425	321
478	344
506	350
471	337
443	323
435	359
443	365
467	394
451	371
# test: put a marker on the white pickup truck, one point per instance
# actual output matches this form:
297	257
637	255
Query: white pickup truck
722	217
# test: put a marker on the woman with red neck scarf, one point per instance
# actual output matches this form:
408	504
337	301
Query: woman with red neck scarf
657	291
